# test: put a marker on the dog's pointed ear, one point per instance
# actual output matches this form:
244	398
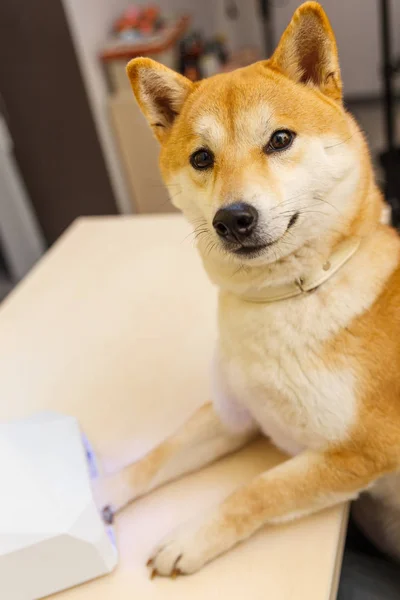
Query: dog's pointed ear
307	51
159	91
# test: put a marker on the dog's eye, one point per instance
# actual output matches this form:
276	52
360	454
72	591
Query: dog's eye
280	140
202	159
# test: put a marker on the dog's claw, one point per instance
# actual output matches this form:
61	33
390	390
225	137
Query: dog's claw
175	573
108	515
154	573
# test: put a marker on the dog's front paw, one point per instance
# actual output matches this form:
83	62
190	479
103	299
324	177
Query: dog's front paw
189	548
181	553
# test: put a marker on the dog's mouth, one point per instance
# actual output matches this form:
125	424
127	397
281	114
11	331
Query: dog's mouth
252	251
293	220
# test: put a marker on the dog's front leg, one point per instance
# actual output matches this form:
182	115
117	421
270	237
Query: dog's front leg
200	441
307	483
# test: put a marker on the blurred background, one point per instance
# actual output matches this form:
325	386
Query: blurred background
72	140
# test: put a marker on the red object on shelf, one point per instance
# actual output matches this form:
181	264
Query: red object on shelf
143	20
159	42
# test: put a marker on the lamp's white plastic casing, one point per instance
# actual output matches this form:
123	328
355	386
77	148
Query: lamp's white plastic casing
52	536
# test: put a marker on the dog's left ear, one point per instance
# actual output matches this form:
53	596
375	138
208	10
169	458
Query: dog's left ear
307	51
160	93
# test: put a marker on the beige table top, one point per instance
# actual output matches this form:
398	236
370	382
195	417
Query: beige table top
116	326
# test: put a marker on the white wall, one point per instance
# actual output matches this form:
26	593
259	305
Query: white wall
357	28
90	22
246	30
201	11
210	16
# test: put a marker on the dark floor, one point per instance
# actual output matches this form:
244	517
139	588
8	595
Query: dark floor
367	578
366	573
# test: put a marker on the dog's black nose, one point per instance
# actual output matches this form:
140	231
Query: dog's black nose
236	221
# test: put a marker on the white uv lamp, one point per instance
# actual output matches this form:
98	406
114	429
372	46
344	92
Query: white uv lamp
52	535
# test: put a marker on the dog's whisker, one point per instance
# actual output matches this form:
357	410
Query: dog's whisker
340	143
318	198
195	234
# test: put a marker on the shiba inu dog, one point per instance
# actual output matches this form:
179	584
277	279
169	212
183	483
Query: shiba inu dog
276	178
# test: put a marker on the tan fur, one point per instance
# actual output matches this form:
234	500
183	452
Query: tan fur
201	440
319	373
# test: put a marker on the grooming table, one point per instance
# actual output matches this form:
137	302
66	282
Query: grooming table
116	327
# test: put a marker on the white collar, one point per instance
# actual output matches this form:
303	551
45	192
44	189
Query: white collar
309	282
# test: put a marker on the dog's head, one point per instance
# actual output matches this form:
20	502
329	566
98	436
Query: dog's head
265	159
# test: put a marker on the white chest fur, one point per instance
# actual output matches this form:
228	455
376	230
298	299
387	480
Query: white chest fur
270	363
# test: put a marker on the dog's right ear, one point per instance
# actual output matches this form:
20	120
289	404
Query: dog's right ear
160	93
